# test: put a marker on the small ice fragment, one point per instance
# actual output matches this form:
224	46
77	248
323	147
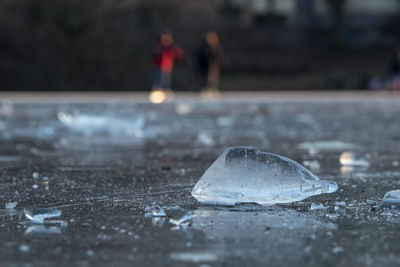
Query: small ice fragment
391	199
41	229
317	206
341	204
205	138
371	202
155	211
387	213
185	220
35	186
37	214
11	205
35	175
351	159
24	248
246	175
332	216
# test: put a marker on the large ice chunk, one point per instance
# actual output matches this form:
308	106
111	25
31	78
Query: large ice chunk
246	175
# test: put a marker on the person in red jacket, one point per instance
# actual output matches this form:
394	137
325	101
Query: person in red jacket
164	53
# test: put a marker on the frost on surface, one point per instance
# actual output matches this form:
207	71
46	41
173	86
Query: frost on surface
37	214
391	199
246	175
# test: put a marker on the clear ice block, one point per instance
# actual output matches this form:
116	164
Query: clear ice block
246	175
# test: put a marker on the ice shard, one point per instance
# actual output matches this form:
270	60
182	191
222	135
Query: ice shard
247	175
155	211
184	221
38	215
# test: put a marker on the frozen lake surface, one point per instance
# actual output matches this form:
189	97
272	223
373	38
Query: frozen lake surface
103	167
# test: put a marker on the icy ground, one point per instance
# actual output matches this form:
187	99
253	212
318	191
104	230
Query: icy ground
103	165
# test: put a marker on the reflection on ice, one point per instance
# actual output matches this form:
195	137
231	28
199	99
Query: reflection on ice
183	109
246	175
289	232
6	107
42	229
351	159
327	145
353	171
158	221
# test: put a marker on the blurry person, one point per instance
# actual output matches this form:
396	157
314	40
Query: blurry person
210	57
391	79
394	70
163	55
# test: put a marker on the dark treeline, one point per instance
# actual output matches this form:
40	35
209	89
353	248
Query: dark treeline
105	44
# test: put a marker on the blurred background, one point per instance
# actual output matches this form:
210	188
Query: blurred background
73	45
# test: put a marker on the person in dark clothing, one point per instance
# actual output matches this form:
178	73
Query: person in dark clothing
394	69
391	79
210	57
